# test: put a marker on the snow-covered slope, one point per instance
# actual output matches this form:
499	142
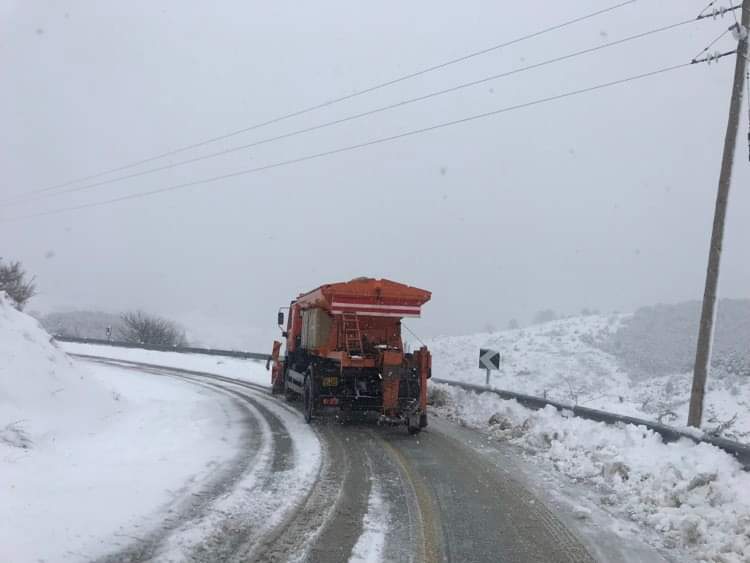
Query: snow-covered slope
92	455
661	340
42	394
571	360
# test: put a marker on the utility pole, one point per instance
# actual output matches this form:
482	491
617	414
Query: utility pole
708	312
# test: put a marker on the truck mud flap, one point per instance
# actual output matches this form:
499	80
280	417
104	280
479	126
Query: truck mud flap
295	381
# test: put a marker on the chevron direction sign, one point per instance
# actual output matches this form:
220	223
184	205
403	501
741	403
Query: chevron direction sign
489	359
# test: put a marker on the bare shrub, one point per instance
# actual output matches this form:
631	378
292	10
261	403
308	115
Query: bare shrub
723	425
15	436
150	330
544	316
437	397
14	281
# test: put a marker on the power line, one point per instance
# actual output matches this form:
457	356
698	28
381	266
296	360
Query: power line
707	47
357	146
713	57
414	334
328	103
22	199
704	10
717	12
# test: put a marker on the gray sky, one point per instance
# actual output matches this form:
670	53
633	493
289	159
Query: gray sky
604	200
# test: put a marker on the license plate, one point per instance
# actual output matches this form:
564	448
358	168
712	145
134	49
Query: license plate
330	381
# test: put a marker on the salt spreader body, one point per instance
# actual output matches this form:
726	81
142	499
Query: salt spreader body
344	352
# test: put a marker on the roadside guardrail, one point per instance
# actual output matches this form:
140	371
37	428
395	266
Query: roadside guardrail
740	451
180	349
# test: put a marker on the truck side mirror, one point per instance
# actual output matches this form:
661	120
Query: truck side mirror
281	318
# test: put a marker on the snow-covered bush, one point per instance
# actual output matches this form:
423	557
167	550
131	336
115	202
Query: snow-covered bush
16	284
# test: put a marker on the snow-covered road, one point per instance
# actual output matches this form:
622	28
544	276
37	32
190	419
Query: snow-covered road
235	515
379	494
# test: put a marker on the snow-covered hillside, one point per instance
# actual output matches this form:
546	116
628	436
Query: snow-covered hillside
88	455
661	340
571	360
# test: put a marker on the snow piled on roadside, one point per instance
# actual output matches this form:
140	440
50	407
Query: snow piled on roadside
563	360
93	456
43	396
695	496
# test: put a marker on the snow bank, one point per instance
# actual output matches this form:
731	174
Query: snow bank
564	360
91	458
696	497
42	394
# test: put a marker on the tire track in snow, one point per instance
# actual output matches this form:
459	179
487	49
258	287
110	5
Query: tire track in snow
229	521
325	524
294	470
371	543
236	517
186	508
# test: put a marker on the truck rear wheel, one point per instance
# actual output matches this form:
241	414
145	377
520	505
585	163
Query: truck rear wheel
308	399
413	424
423	420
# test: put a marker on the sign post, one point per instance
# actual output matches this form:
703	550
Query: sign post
489	360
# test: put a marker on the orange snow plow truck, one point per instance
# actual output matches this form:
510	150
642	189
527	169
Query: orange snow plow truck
344	352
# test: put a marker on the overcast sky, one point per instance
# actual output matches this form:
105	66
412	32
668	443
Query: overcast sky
603	200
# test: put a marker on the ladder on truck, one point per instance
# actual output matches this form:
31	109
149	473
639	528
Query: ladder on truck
352	334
